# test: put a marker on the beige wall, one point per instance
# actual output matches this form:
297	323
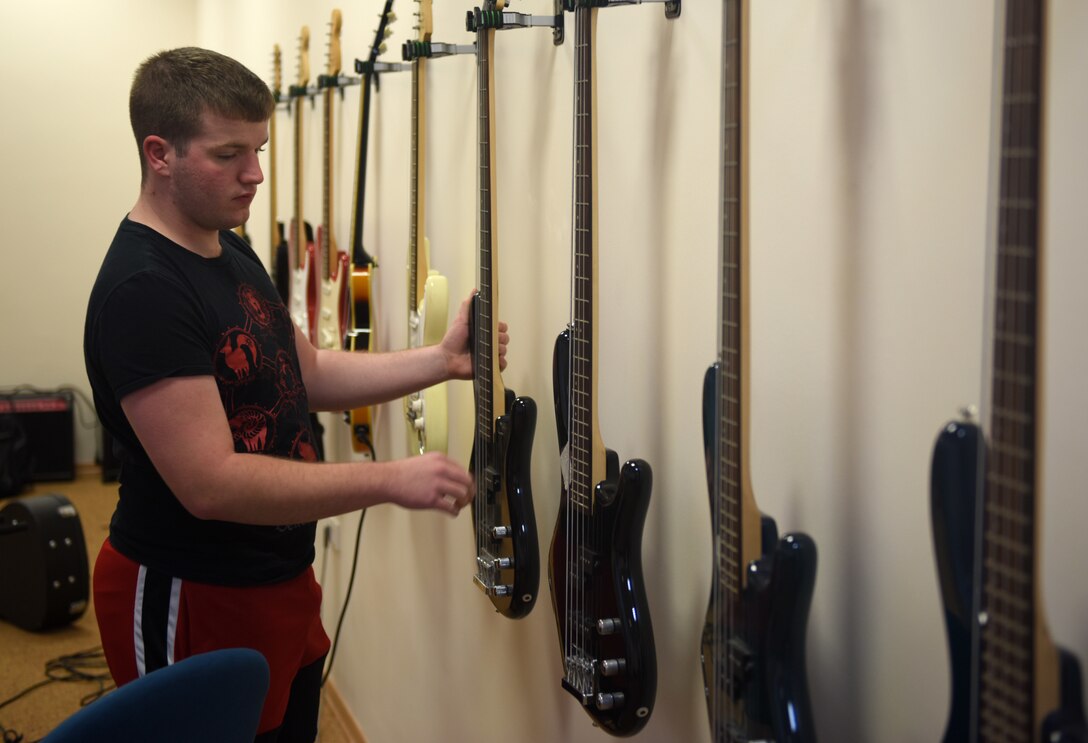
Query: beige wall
869	156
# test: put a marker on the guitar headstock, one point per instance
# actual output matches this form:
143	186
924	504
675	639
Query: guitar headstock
333	67
426	23
277	73
304	57
384	32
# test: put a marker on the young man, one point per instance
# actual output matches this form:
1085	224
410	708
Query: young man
203	380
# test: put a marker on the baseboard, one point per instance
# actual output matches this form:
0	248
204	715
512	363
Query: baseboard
339	711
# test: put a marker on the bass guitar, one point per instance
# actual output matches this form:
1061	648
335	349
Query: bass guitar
334	306
300	246
753	644
1009	681
279	260
507	561
428	294
595	562
361	336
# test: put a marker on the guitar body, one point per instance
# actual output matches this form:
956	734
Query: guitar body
509	496
335	301
304	285
609	571
428	428
958	459
766	646
361	338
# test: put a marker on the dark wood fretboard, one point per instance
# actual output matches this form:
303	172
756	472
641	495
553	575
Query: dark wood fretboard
583	294
1007	621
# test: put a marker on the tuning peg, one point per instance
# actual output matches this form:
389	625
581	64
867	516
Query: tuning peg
381	49
388	33
391	17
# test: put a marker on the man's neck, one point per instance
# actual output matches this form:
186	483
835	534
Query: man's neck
150	211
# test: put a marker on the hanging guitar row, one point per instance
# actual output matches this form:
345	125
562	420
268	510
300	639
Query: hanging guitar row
1008	680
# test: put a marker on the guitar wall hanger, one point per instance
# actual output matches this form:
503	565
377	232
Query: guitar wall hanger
412	50
672	7
362	66
504	19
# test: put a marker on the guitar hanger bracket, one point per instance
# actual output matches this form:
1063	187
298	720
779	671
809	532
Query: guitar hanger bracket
672	7
413	50
504	19
363	66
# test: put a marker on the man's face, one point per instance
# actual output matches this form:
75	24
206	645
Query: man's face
215	181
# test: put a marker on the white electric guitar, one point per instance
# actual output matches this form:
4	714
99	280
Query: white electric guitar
334	301
303	289
428	294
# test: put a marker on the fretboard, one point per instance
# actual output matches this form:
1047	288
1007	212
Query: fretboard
359	256
729	474
487	290
300	225
416	207
1007	622
583	292
328	255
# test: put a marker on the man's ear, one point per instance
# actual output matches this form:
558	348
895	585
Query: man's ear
159	154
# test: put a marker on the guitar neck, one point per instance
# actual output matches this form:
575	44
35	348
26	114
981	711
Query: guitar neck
417	261
586	449
359	256
300	225
489	390
328	255
1017	665
737	518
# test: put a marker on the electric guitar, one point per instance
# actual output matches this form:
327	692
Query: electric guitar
507	562
334	308
304	288
361	336
753	644
595	562
428	295
280	262
1009	681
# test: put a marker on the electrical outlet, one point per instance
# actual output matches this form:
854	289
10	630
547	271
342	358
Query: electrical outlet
332	532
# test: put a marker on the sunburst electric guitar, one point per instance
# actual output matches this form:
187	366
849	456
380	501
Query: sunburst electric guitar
361	336
595	562
507	550
753	645
428	294
1009	681
278	259
334	308
300	246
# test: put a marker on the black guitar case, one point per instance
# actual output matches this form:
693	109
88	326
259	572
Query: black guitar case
43	562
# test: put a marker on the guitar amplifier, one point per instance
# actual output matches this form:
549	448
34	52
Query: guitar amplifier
44	578
46	418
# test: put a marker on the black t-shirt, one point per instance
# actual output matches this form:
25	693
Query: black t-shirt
158	310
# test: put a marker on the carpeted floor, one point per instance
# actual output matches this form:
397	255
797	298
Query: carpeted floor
24	654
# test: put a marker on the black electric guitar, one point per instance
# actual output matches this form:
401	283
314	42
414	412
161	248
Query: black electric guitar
279	260
595	563
361	335
304	282
1009	681
507	551
334	308
753	645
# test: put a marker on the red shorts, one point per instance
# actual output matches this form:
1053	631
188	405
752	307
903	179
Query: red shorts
149	620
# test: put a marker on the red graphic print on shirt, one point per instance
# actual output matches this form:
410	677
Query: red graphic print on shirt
259	381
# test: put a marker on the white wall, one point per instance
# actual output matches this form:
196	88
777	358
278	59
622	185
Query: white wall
70	172
869	155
